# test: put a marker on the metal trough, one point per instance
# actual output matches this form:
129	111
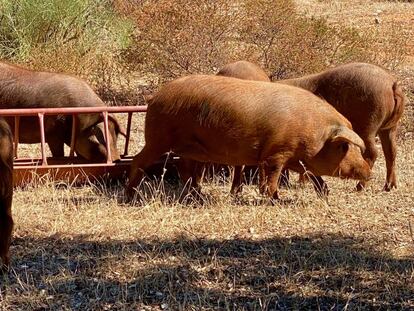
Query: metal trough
71	168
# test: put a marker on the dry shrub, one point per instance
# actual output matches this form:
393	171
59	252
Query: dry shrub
287	43
106	72
176	37
389	46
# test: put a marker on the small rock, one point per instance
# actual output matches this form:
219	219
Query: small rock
164	306
377	20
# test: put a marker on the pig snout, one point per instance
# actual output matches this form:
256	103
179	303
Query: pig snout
354	165
363	172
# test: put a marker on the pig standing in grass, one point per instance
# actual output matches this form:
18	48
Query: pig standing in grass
238	122
371	99
6	190
23	88
367	95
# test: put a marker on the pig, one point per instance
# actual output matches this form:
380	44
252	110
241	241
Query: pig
238	122
371	99
6	191
23	88
367	95
244	70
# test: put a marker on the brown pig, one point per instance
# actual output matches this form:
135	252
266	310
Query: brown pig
6	190
371	99
239	122
23	88
367	95
244	70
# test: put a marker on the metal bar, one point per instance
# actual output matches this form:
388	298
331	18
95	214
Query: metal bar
62	162
70	110
24	167
73	137
107	138
42	137
128	133
16	134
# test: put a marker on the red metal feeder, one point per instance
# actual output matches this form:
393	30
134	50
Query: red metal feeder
69	168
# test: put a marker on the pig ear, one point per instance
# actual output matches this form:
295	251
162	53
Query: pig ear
118	126
344	134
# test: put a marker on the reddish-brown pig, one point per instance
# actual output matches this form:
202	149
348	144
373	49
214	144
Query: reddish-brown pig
244	70
367	95
238	122
24	88
371	99
6	190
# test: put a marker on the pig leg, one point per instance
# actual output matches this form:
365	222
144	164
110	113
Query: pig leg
284	179
389	146
303	178
370	155
191	171
6	228
262	179
56	146
269	177
237	184
273	174
140	162
319	185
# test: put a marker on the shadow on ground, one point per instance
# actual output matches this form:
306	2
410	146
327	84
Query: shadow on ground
326	272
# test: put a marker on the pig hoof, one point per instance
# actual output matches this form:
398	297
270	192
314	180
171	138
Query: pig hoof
4	267
323	193
129	193
360	187
303	178
284	183
236	192
193	196
389	186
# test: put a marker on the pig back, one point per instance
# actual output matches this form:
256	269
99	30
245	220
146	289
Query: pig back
362	92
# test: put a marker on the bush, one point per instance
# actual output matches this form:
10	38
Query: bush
83	37
288	44
105	41
176	37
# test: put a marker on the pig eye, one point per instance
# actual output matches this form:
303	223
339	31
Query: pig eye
344	147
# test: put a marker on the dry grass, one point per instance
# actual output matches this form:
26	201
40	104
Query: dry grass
86	249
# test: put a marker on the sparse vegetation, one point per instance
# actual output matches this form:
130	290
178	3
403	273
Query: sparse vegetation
83	37
205	35
87	249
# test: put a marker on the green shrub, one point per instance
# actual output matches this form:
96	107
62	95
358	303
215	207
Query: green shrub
83	37
29	24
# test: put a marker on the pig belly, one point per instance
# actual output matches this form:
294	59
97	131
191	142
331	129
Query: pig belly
217	147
